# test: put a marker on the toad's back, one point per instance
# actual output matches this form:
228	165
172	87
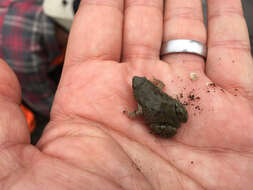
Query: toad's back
156	105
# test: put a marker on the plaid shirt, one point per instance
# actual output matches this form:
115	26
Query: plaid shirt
28	45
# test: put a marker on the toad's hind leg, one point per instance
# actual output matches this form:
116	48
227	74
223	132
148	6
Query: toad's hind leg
135	113
158	83
164	131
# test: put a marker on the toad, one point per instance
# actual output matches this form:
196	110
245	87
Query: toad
162	113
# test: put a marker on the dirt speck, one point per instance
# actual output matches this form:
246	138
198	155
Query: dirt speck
191	99
191	96
185	103
197	107
212	84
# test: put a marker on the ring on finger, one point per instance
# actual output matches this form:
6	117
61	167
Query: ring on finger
183	46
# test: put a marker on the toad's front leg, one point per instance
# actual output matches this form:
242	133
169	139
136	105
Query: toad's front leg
135	113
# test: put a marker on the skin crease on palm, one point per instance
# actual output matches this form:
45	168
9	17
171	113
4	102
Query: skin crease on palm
90	144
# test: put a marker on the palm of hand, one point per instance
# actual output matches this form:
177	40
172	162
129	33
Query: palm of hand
123	151
90	143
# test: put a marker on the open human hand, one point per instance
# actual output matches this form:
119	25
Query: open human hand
90	144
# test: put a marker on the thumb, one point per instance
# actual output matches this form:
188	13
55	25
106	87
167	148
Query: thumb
13	129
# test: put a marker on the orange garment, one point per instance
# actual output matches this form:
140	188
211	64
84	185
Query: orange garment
29	118
59	59
29	115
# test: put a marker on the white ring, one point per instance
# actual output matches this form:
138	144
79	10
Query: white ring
183	46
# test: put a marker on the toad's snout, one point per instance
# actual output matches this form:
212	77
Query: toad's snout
137	81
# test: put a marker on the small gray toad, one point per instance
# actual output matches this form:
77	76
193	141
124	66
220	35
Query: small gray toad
162	113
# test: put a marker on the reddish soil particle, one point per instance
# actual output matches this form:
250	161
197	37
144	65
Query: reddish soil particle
197	107
185	103
191	96
191	100
212	84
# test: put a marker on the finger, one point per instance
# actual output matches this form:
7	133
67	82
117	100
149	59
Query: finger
96	32
9	85
142	29
229	61
13	128
184	20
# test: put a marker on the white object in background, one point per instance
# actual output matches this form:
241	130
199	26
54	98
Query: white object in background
61	11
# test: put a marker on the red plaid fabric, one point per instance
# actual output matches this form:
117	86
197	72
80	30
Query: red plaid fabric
28	45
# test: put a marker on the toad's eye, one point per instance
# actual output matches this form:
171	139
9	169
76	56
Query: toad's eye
181	112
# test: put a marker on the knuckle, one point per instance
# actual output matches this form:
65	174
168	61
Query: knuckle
118	4
230	11
231	44
186	13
